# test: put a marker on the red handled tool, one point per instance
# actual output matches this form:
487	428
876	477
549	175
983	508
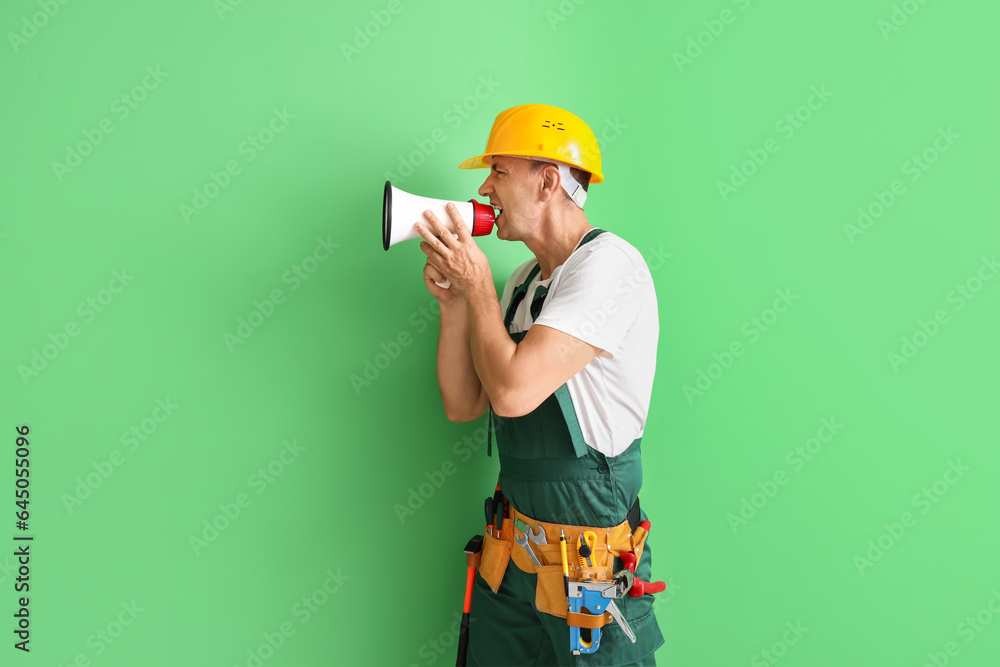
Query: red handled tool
640	587
473	554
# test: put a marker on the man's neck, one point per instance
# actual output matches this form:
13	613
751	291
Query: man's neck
559	241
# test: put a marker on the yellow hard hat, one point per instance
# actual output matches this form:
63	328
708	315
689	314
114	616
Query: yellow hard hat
542	131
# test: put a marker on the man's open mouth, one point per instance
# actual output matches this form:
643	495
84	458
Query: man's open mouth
496	211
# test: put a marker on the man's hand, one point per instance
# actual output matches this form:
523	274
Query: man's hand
434	280
515	378
458	260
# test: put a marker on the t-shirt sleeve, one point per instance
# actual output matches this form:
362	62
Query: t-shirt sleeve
596	298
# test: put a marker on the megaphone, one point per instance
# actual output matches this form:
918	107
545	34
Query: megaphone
405	209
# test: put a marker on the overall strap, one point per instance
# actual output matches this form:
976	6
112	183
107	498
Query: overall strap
522	290
519	294
591	235
541	292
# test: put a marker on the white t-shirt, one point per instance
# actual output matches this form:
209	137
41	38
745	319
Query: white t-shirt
602	294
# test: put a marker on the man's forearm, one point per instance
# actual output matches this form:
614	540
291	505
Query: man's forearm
491	347
461	390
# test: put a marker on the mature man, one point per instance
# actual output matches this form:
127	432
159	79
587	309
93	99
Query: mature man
564	362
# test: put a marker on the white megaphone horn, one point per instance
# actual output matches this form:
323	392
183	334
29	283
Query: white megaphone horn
401	210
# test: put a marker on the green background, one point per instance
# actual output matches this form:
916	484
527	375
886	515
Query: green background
365	106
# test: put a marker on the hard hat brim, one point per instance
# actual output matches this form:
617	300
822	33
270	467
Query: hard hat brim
486	160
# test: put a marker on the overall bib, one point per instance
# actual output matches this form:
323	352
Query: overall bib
549	473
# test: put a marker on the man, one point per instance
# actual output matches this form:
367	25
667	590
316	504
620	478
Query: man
564	362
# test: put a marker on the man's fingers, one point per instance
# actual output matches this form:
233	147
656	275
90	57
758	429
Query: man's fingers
431	242
433	275
431	272
461	228
440	229
437	263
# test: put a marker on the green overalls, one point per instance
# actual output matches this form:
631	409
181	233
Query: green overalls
548	472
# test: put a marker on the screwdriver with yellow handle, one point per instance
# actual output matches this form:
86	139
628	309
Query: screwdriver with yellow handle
565	562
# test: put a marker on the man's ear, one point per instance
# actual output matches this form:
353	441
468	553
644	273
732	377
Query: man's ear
551	181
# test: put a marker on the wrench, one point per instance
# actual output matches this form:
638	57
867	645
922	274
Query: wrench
536	537
523	541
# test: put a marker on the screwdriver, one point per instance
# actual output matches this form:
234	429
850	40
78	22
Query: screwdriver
565	563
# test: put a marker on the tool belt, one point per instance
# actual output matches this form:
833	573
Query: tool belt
550	595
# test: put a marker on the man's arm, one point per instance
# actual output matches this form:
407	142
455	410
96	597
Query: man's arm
462	393
518	377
